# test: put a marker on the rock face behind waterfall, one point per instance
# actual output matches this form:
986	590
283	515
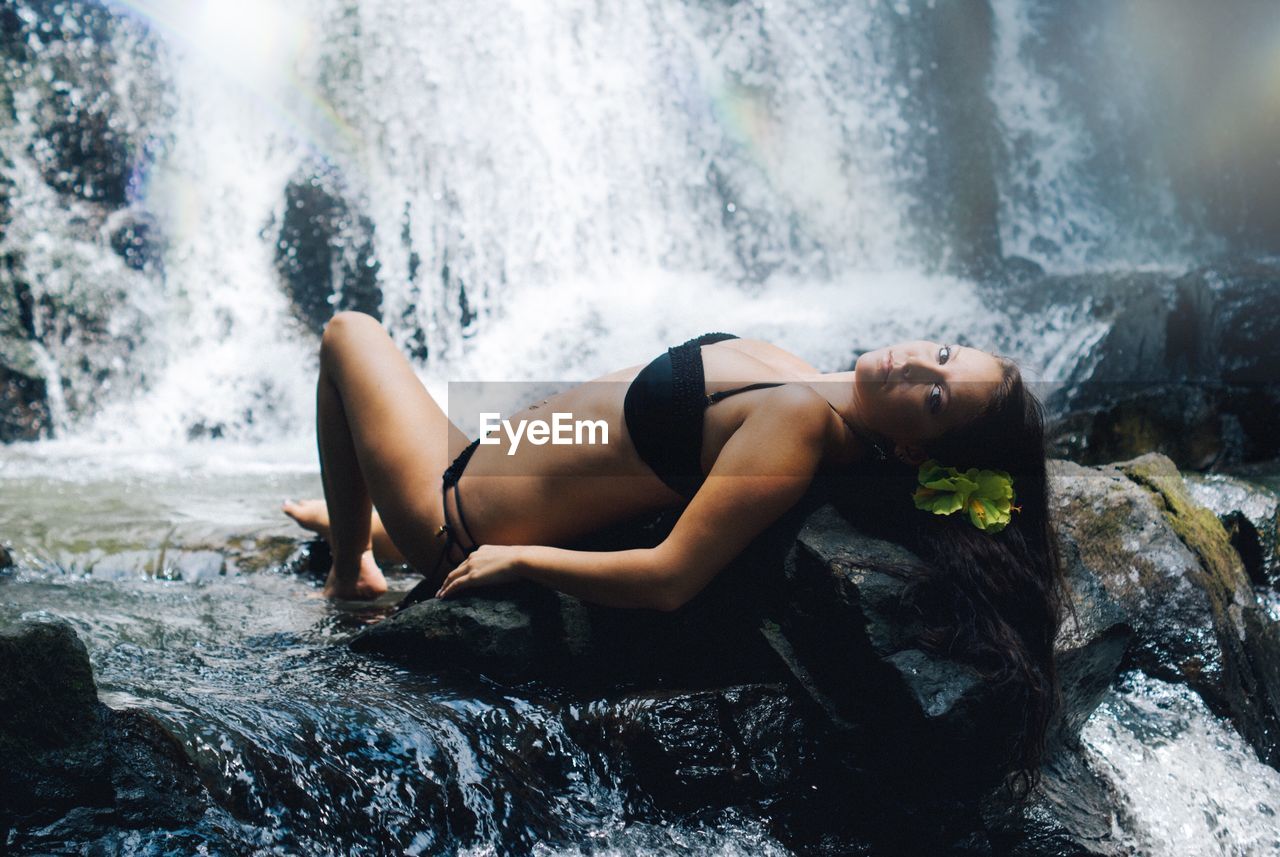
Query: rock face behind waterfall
1188	366
80	262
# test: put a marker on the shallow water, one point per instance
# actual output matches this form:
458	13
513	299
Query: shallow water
1191	785
306	747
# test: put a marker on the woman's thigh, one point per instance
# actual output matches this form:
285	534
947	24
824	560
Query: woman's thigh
403	439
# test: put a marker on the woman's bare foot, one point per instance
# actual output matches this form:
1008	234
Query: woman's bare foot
311	515
369	582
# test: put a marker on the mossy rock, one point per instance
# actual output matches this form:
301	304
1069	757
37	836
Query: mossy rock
1170	566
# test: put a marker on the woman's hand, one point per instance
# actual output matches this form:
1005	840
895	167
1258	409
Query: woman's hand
486	566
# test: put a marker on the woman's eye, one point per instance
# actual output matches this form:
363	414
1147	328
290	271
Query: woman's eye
935	399
944	354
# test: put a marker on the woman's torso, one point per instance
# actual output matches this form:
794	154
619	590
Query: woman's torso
552	494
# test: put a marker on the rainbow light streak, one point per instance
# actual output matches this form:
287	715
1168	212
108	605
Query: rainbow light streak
265	61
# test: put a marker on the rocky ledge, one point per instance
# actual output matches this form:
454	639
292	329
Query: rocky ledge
70	765
793	685
819	654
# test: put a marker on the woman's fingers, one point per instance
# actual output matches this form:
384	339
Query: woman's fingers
485	566
452	578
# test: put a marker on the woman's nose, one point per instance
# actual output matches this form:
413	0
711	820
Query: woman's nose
917	367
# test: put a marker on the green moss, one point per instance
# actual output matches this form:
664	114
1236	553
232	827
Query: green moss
261	553
1103	535
1197	527
1135	432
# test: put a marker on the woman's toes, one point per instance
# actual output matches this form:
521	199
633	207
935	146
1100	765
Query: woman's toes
310	514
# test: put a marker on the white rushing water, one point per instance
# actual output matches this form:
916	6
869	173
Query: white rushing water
1059	206
552	192
1191	786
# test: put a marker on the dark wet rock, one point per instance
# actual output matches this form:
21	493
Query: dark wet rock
1170	567
704	748
1188	366
950	48
89	329
85	145
845	635
1073	813
6	183
863	717
24	411
936	723
136	238
69	765
493	635
6	557
324	252
1250	513
1091	645
836	638
523	630
69	316
713	640
24	406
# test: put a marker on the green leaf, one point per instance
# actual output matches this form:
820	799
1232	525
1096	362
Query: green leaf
985	495
938	502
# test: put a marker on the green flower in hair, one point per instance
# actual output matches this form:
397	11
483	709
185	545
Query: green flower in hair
986	495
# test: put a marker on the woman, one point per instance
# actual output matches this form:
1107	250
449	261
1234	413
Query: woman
760	423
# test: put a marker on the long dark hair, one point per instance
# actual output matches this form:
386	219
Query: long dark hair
993	600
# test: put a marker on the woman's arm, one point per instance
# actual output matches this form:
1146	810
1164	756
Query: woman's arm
763	470
627	578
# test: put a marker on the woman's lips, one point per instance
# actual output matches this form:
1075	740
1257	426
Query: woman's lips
887	365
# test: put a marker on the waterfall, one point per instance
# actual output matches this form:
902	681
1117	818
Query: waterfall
547	192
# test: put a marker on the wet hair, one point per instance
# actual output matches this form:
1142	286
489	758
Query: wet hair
992	600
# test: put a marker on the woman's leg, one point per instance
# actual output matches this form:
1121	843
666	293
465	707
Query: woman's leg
383	442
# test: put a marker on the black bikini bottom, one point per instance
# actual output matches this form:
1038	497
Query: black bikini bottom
453	535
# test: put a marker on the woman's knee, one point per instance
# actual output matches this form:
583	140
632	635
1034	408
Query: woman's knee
345	328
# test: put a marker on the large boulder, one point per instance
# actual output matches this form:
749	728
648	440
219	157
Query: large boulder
70	766
522	629
1188	366
525	631
1073	813
810	698
325	253
1171	567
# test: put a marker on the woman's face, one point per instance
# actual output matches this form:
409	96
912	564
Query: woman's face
915	392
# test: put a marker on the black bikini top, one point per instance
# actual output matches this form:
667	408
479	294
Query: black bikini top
712	398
